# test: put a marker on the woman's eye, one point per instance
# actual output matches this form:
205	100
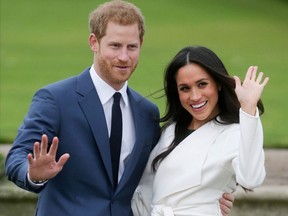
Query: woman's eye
202	84
184	88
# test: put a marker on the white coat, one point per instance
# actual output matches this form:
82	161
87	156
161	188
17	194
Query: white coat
207	163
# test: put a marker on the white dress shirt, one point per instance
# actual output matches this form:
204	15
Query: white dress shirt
105	93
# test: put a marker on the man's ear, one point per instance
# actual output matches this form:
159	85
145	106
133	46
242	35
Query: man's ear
93	42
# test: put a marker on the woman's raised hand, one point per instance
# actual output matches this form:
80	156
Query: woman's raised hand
249	92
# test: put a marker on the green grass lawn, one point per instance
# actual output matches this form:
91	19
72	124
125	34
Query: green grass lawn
45	41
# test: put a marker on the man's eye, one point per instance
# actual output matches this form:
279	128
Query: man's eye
133	47
115	45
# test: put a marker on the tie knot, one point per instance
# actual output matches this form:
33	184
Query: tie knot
117	97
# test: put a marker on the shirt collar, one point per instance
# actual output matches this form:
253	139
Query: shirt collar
104	90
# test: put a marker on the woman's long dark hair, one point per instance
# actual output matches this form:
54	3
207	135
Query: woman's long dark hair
228	102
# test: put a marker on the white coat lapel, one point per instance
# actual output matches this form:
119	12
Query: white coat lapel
181	169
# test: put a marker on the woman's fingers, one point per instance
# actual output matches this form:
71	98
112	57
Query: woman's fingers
254	72
259	78
265	81
237	81
249	73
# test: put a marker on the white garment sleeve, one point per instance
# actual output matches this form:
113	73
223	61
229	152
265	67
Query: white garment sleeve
249	165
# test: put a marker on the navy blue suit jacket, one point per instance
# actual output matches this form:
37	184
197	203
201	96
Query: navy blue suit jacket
71	110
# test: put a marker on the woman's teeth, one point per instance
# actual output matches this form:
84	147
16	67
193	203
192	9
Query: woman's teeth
197	106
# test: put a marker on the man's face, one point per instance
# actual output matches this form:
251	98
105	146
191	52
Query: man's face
117	53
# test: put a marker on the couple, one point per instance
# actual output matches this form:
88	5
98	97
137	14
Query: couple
62	148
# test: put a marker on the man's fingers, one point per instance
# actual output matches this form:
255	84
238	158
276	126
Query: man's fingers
36	150
226	207
229	197
44	144
62	160
30	158
224	210
54	146
226	203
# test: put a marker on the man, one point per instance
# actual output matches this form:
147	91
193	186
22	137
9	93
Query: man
74	175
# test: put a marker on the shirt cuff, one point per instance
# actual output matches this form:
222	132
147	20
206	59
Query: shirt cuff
35	184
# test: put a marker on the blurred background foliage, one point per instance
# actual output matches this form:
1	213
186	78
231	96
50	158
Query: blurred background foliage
45	41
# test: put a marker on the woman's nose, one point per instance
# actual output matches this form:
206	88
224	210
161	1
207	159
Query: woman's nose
195	95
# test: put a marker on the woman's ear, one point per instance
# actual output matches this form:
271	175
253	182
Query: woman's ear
219	87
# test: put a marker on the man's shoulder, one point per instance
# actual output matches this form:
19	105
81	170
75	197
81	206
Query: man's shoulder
61	84
63	88
139	98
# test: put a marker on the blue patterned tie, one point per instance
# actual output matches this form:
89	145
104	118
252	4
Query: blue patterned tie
116	136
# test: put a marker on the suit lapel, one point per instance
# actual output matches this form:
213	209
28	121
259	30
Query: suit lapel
94	113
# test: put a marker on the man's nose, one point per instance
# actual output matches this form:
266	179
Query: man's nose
123	55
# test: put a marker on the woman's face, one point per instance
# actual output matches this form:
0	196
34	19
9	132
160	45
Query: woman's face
198	94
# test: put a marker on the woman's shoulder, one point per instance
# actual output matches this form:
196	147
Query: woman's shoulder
226	127
168	129
166	138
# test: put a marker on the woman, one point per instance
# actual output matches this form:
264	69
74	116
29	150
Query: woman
212	138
